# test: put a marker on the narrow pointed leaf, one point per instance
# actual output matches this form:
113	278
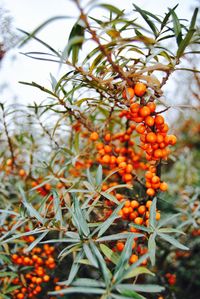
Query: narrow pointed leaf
172	241
152	248
112	256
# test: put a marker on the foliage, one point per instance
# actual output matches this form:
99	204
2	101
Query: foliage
82	176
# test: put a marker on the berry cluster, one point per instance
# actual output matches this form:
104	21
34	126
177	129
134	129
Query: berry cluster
39	261
171	278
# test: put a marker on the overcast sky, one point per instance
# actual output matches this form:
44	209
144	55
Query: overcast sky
28	14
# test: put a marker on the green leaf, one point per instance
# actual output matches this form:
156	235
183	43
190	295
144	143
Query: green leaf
141	227
134	266
90	177
88	282
123	260
152	217
3	296
6	273
111	8
9	212
144	288
75	41
152	248
109	197
172	241
79	290
57	207
35	242
105	225
167	16
177	27
185	42
96	61
41	42
31	35
147	19
119	236
10	289
99	175
133	294
90	256
102	264
170	230
167	220
80	217
138	271
76	142
74	269
112	256
31	210
33	232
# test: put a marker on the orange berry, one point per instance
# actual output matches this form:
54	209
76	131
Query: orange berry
127	204
164	128
148	204
133	258
135	108
129	168
106	159
155	179
20	296
120	159
133	229
152	106
9	162
147	214
149	120
144	111
107	149
133	215
99	146
163	186
148	175
46	278
122	165
150	192
107	137
59	185
159	120
140	89
157	216
152	168
160	138
138	220
38	289
134	204
155	186
158	153
22	172
47	187
113	160
94	136
125	210
172	139
148	185
127	177
141	128
120	246
128	93
151	137
14	257
141	209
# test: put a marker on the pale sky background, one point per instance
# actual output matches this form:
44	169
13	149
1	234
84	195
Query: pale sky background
28	14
